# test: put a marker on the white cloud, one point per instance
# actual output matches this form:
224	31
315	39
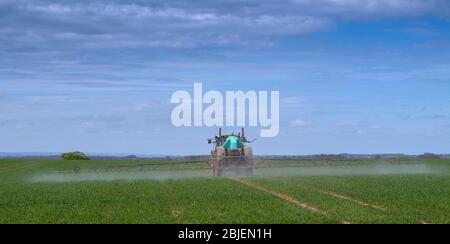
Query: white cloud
299	123
181	24
372	8
293	102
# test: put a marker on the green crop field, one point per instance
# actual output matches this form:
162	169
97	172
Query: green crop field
281	191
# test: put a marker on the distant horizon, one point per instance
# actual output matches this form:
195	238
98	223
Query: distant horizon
94	154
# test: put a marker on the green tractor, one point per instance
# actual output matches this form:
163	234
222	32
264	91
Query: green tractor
231	153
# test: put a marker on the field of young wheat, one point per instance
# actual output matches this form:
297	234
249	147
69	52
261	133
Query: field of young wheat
294	191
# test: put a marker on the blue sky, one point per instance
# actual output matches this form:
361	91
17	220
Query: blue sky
355	76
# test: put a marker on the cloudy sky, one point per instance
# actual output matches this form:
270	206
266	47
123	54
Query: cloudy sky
355	76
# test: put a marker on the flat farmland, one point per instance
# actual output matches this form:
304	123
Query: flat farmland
281	191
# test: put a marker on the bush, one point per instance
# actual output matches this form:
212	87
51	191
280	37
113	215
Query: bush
74	156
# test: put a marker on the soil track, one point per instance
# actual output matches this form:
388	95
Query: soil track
283	196
346	198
